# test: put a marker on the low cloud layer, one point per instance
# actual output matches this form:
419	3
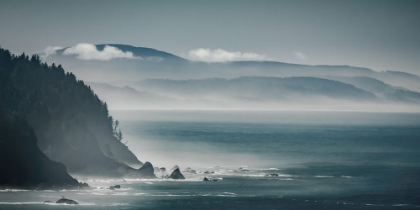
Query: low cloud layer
300	55
85	51
51	50
220	55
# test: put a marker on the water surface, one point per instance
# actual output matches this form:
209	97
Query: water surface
324	160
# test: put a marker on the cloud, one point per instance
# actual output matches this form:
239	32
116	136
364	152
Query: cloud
51	50
220	55
85	51
300	55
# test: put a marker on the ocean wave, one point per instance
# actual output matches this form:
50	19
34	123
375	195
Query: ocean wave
42	203
117	204
20	203
323	176
14	190
405	204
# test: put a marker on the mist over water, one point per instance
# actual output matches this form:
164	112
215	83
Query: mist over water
173	105
336	160
263	139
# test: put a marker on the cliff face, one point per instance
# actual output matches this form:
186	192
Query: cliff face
22	164
71	123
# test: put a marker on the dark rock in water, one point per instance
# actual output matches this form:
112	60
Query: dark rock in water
67	201
209	172
115	187
176	174
209	179
272	175
83	185
243	169
163	169
147	170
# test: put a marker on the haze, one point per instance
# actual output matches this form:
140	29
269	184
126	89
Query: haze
377	34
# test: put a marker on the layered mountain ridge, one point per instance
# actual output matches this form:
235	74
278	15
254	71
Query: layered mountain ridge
164	84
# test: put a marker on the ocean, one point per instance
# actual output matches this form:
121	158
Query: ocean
258	160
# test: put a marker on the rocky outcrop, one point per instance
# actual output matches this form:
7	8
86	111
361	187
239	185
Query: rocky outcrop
115	187
176	174
66	201
209	179
147	171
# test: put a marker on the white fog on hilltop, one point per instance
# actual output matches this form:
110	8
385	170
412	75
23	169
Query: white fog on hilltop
136	78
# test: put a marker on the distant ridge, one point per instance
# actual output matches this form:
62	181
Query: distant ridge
143	52
161	64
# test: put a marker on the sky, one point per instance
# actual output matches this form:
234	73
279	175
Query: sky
378	34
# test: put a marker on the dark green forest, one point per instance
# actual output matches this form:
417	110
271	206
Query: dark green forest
72	125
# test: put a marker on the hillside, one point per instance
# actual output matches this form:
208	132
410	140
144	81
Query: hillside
261	88
71	123
23	165
238	93
381	89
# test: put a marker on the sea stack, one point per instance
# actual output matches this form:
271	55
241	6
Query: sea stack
176	174
147	170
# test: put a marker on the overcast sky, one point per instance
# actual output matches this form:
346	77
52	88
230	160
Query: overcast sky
379	34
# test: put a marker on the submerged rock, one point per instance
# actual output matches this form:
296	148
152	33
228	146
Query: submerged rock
176	174
208	172
209	179
243	169
115	187
272	175
67	201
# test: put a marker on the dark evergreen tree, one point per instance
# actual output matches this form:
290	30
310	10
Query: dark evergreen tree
71	123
